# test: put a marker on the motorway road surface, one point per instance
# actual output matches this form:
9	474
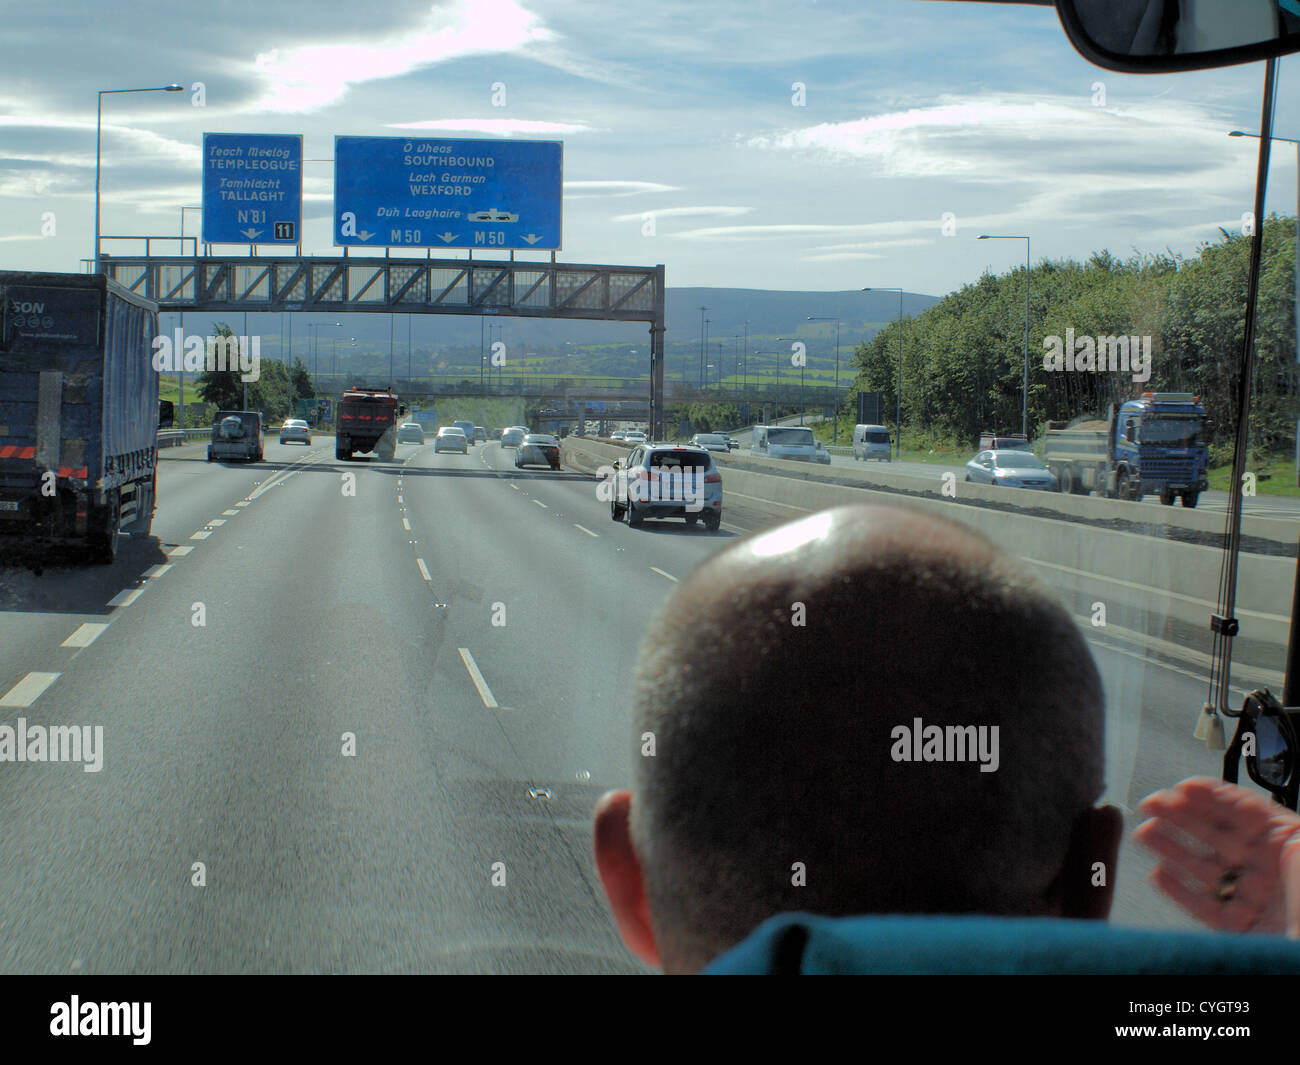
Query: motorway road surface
377	615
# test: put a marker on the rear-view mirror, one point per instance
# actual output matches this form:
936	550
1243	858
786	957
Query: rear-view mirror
1153	36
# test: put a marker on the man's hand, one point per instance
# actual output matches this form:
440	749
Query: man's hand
1230	857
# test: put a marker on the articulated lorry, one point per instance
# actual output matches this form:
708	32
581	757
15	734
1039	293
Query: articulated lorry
367	421
1154	444
79	412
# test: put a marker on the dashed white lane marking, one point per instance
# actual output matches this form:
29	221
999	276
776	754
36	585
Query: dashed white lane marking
179	552
126	598
27	690
242	503
663	574
424	570
406	525
587	531
399	499
541	504
85	635
230	513
159	570
203	535
215	522
484	692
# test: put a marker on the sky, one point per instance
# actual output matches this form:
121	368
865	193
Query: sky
779	145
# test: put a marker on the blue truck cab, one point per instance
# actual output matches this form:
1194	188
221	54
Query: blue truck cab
1158	445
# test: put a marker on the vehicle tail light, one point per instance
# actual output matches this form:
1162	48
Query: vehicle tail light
713	478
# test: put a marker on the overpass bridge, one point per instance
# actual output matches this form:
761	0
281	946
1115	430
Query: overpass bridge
388	285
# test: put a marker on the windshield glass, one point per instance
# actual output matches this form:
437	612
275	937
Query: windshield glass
789	437
1172	432
350	674
1017	460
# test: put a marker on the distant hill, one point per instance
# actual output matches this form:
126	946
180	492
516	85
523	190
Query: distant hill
615	348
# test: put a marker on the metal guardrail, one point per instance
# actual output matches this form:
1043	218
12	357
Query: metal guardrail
176	437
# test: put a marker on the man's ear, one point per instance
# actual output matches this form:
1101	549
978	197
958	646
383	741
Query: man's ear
1087	883
620	875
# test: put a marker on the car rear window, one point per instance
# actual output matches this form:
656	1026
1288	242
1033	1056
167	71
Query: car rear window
691	459
878	436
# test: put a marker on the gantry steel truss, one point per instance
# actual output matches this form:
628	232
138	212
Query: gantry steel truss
408	286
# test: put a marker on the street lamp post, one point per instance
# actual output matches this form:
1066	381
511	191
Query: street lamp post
99	125
835	432
1296	257
1024	402
898	411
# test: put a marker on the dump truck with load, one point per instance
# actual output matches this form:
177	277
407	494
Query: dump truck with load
1155	444
79	412
367	421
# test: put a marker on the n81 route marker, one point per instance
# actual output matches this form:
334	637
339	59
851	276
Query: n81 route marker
252	188
421	192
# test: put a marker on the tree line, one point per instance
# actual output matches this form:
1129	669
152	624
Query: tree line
963	358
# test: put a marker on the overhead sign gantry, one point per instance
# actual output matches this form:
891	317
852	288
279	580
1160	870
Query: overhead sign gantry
428	193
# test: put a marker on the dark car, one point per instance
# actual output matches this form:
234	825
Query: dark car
538	449
236	434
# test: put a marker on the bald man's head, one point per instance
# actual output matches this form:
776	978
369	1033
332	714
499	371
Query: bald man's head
791	685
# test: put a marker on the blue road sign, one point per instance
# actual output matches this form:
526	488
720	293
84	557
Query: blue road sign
421	192
252	188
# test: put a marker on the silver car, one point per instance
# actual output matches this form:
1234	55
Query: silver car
667	481
450	438
1012	468
410	433
512	437
295	431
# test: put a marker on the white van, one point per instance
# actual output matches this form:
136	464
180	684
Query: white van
871	442
784	442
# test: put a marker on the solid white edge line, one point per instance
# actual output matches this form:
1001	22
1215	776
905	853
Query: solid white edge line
484	692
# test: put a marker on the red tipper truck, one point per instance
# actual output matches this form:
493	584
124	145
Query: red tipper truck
78	412
367	421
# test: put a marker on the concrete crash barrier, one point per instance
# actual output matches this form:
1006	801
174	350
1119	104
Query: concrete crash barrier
1155	571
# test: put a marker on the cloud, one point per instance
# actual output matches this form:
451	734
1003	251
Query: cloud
683	212
501	127
309	77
